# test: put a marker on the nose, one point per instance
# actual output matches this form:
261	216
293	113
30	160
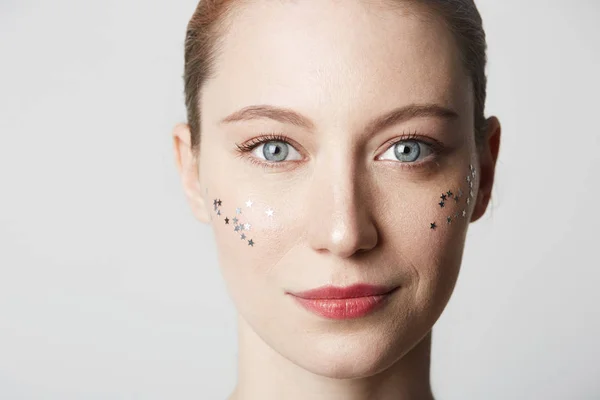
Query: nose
340	221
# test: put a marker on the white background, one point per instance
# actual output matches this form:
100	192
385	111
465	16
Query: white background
110	289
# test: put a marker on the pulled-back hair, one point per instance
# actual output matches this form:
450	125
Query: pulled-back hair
211	17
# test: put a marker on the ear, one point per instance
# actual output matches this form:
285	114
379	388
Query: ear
187	164
488	155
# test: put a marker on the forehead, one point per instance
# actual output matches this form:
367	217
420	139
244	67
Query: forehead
327	56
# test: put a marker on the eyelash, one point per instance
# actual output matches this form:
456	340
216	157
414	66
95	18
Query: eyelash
436	147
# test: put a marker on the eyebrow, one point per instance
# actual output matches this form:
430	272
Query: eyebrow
397	115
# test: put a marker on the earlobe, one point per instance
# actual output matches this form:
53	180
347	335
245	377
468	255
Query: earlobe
488	155
187	165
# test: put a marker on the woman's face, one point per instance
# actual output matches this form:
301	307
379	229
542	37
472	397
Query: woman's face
344	191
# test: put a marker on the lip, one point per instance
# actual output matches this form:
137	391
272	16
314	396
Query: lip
344	302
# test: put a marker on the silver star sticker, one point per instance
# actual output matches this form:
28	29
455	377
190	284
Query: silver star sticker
247	227
269	212
243	236
250	243
238	210
237	228
249	204
219	212
235	220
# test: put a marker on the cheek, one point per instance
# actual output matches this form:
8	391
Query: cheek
455	202
250	235
437	234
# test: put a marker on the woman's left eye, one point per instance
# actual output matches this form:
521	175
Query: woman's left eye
408	151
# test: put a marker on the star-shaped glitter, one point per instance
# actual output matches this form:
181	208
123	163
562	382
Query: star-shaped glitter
433	225
460	193
471	193
269	212
443	197
471	184
449	219
247	227
456	215
468	200
215	202
249	204
468	178
449	193
243	236
238	210
251	243
456	198
219	203
219	212
441	203
226	221
464	214
237	228
235	220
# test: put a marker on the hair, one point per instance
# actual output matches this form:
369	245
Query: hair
211	18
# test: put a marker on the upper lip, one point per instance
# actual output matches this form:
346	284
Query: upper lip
335	292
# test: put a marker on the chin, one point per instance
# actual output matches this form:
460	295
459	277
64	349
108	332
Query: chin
348	355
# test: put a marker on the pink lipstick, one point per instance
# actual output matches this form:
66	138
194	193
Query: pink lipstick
344	302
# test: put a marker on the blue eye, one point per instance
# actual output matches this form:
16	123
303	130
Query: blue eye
408	151
276	151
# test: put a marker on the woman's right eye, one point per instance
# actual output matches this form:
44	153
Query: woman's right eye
276	151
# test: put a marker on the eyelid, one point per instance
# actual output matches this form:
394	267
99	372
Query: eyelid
257	141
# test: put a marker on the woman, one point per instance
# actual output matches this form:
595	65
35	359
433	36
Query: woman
339	150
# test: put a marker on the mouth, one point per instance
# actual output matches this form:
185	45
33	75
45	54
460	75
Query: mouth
344	303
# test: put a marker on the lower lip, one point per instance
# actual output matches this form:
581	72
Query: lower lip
354	307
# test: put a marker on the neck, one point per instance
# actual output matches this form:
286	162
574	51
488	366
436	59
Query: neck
265	374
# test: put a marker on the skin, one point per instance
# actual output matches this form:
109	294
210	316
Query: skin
345	209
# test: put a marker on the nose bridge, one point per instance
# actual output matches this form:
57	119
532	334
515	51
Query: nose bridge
340	220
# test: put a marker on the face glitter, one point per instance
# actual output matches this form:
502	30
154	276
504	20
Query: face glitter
470	179
238	226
